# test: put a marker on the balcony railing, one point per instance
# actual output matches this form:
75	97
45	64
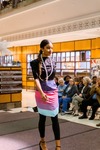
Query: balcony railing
7	6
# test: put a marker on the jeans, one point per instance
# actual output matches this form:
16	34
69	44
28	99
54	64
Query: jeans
65	102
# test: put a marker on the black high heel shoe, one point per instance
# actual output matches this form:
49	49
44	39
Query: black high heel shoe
42	143
57	146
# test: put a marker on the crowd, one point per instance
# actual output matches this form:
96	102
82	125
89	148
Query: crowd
75	97
6	3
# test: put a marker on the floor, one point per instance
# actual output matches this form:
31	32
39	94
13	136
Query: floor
28	102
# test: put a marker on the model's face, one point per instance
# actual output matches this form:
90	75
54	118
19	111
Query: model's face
47	50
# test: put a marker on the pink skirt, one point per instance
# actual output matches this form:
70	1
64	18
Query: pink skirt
51	106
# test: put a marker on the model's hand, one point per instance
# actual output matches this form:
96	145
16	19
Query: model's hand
44	97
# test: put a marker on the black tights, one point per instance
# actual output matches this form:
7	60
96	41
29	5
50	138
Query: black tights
55	126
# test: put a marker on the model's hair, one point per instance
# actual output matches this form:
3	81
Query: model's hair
42	45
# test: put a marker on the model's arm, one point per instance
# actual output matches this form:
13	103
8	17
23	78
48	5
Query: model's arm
38	85
34	66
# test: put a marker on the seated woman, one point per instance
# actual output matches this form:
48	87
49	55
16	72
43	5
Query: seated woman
80	84
93	101
61	87
68	93
77	100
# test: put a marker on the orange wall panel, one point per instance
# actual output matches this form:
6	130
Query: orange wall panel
95	53
24	78
83	45
37	48
23	71
97	42
67	46
16	97
29	83
93	44
31	49
5	98
23	58
24	49
24	84
57	47
23	65
19	57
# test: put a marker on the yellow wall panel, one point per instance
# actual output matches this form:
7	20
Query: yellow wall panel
23	57
18	49
4	98
23	65
24	49
97	43
24	71
67	46
19	57
30	83
16	97
56	47
83	45
95	53
37	48
31	49
93	44
24	78
24	83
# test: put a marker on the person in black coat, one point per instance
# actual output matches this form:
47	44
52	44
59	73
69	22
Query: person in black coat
84	94
68	93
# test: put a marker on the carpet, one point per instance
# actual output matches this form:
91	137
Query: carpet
20	122
21	133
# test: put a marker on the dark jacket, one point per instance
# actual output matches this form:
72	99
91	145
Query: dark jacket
71	92
86	92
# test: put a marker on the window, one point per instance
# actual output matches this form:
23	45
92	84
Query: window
72	63
5	60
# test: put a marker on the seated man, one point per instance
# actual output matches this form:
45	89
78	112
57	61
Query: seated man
68	93
93	101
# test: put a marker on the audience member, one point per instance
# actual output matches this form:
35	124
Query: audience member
68	93
94	79
61	87
66	79
93	101
77	99
80	85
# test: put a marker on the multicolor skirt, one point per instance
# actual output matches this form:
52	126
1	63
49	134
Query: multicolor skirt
49	107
